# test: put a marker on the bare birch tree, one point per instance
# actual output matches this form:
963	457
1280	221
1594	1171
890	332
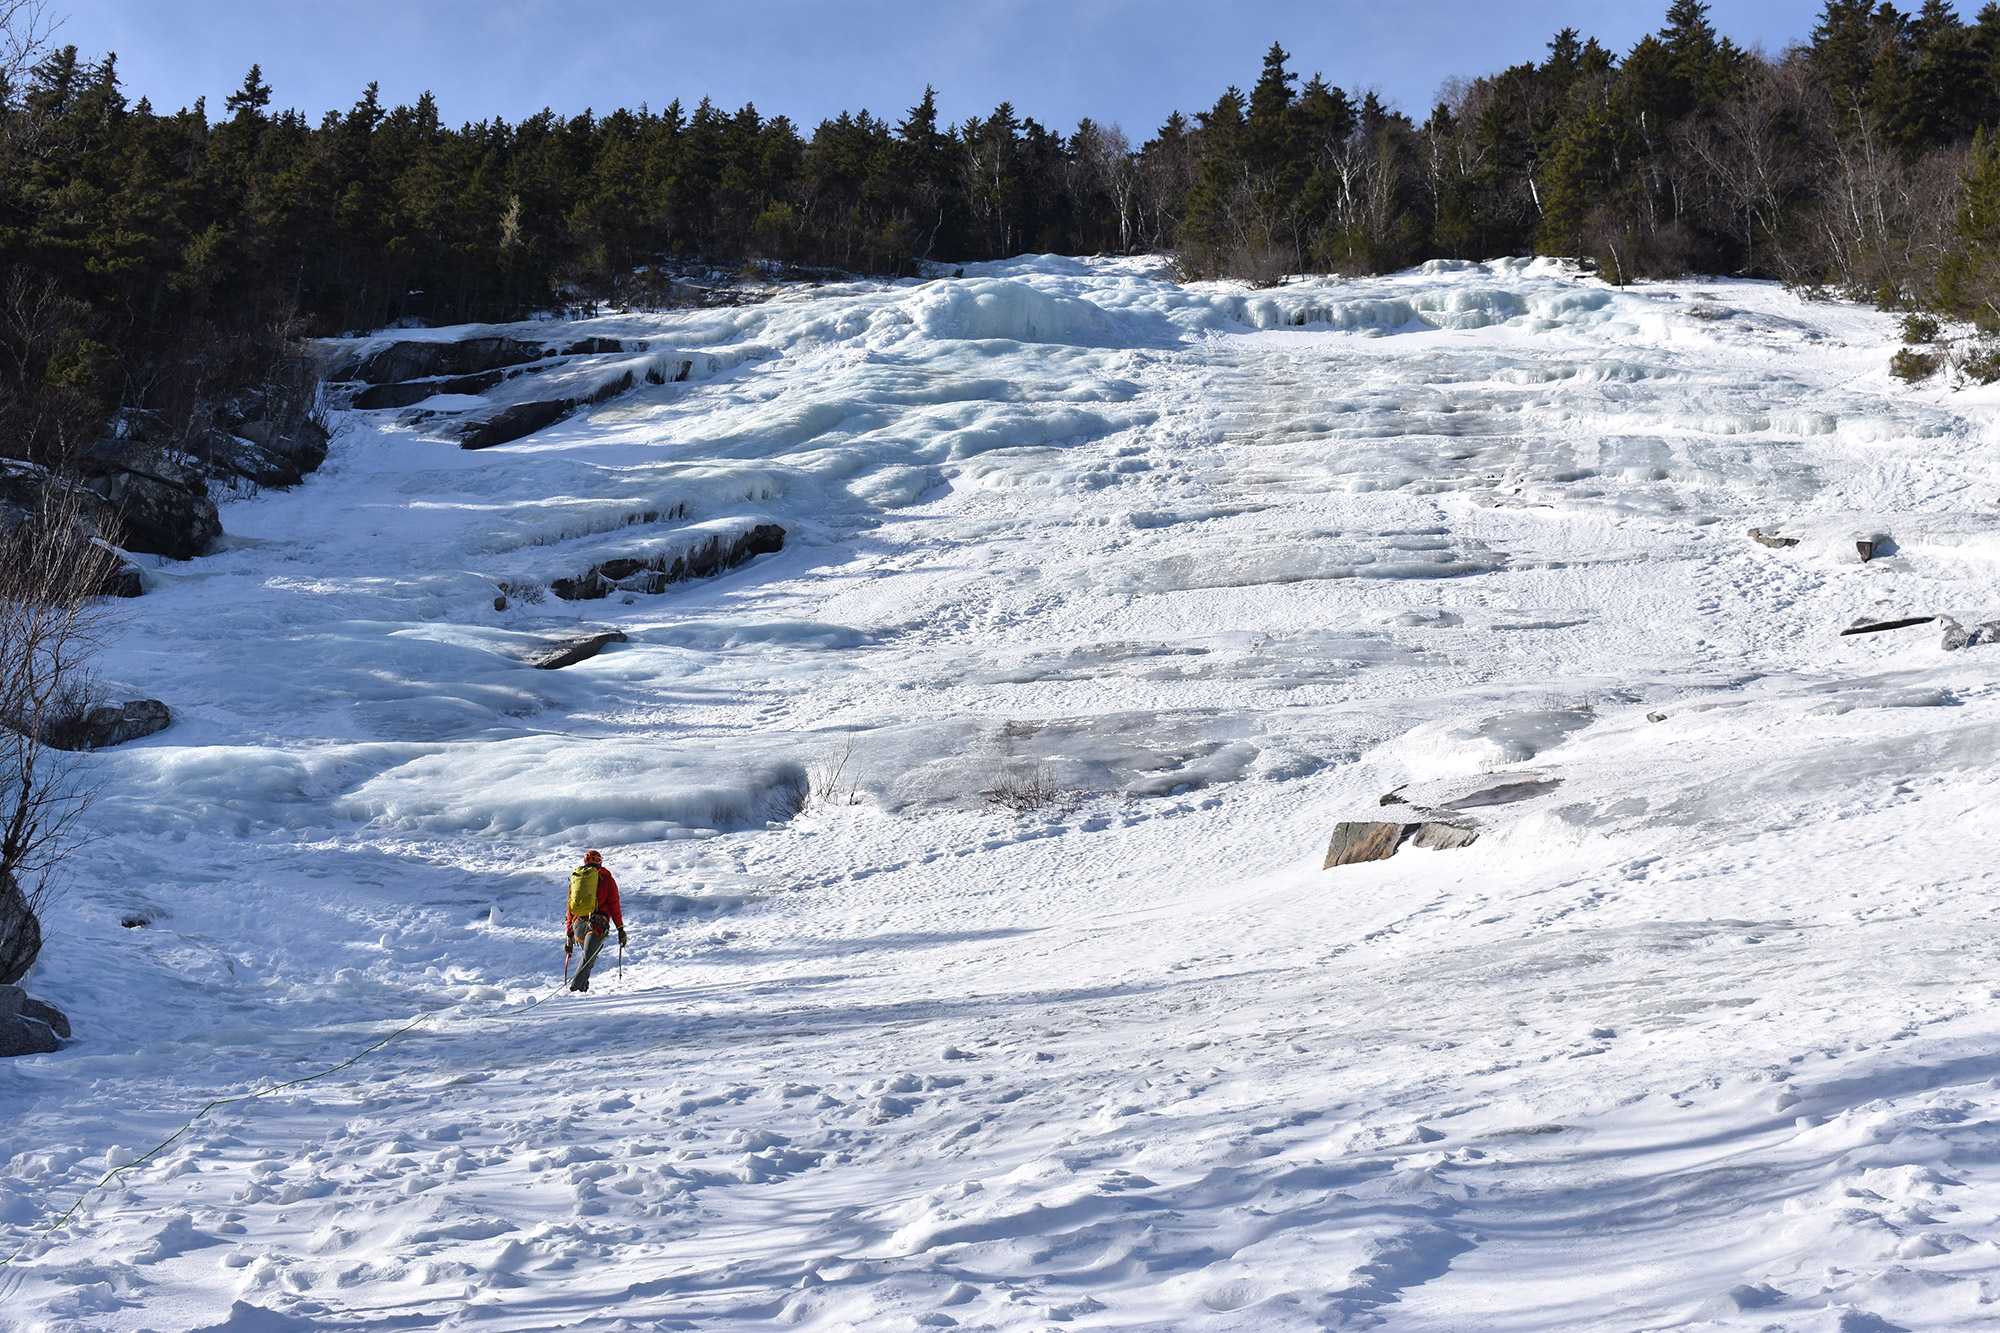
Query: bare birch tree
54	568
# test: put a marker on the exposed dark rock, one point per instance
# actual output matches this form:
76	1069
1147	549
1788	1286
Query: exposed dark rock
1656	717
595	347
160	517
1870	548
112	724
235	456
1757	535
20	932
571	651
512	423
21	1035
612	388
21	493
46	1013
126	581
381	396
1866	626
718	553
158	497
301	443
431	360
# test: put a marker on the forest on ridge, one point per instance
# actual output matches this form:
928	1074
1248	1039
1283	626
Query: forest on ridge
155	258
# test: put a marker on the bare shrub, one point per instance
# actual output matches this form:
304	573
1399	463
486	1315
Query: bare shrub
830	780
1028	790
53	569
790	795
1562	701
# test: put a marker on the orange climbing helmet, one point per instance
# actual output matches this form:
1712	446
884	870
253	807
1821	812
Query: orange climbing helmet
593	858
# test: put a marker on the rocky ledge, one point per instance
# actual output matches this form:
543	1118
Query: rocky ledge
705	558
28	1026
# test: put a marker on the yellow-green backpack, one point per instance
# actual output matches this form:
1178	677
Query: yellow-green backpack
583	891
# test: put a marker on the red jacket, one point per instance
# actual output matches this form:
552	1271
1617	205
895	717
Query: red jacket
607	899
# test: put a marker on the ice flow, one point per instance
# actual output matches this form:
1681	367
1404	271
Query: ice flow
1700	1033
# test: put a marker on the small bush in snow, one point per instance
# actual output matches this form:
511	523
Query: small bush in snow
827	781
1912	366
1025	791
1981	365
1920	328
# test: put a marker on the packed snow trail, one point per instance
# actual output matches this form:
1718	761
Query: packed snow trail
1703	1034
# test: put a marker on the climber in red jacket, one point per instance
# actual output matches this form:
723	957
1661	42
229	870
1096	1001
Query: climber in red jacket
593	908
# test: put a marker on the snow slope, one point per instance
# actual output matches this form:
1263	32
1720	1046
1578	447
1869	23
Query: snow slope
1705	1036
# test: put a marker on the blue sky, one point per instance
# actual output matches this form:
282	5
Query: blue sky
1057	60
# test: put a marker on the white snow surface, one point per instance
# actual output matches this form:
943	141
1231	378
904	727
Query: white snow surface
1707	1035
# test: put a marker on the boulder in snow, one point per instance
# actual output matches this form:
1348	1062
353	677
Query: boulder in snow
1957	636
109	724
1359	840
1441	835
43	1012
1763	538
1355	841
21	1035
158	496
15	1001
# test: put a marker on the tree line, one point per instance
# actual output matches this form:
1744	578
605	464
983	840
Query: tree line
152	258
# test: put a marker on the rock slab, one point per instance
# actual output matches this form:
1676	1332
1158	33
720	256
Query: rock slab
1355	841
705	559
571	651
1866	626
